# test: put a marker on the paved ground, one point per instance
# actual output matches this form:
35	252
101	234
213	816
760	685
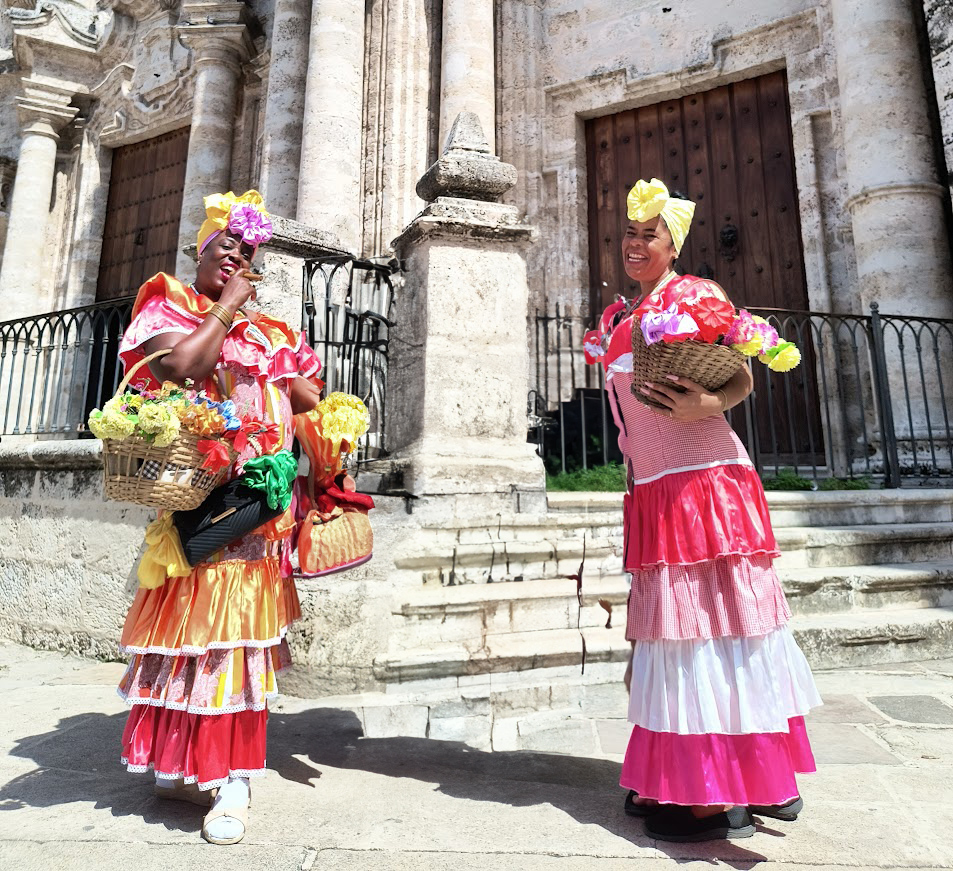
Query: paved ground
335	799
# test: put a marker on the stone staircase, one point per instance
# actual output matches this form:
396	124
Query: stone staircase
869	576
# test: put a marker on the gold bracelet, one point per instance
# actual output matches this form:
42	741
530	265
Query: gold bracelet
220	312
724	406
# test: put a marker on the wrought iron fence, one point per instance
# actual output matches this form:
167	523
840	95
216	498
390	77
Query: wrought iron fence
346	312
56	367
869	401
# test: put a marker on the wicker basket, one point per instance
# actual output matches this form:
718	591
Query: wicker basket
708	365
171	477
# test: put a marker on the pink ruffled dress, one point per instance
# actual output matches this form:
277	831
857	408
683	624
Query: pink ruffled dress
719	685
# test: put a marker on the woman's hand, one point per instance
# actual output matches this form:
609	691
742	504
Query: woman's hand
304	395
237	291
627	677
684	399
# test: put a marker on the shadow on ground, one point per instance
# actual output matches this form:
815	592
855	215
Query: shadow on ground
78	760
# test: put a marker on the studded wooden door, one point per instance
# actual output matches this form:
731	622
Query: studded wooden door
142	214
730	151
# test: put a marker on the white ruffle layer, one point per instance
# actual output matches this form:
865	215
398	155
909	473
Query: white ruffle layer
723	686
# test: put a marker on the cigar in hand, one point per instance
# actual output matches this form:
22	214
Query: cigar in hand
253	276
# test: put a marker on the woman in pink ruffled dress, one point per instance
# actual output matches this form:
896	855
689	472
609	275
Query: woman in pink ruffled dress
718	686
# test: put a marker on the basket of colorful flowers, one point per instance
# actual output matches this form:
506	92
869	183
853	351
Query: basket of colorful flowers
167	448
705	340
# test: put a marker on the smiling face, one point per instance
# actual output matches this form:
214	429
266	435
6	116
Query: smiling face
647	250
225	255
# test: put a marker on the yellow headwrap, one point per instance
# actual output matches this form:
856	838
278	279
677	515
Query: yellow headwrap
648	199
244	215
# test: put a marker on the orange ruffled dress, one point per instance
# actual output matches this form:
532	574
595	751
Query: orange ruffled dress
719	685
206	648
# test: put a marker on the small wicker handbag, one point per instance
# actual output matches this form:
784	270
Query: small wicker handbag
711	366
172	477
342	541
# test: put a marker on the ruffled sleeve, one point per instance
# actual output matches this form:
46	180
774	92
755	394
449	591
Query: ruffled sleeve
154	318
308	363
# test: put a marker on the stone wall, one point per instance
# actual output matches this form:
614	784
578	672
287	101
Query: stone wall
939	18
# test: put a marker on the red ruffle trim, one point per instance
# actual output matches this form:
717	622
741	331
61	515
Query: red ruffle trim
738	596
200	749
717	769
695	516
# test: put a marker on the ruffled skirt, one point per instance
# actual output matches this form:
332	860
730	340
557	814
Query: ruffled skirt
719	685
206	650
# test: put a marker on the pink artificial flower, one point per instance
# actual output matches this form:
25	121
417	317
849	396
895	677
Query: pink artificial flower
742	329
669	325
250	223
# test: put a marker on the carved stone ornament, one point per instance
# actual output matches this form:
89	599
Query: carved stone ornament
147	94
467	168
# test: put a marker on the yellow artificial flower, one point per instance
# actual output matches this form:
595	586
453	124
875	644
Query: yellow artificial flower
344	418
751	348
153	418
168	433
132	401
111	422
786	359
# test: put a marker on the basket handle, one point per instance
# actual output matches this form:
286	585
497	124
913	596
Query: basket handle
136	367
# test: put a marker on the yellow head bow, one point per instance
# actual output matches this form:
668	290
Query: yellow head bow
649	199
245	216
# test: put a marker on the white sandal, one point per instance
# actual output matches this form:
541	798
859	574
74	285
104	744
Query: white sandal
240	814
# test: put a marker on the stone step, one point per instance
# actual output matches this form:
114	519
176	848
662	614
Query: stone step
437	615
801	547
821	508
805	547
829	641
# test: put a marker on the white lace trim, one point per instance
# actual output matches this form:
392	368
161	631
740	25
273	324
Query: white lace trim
196	709
735	461
189	650
193	778
621	365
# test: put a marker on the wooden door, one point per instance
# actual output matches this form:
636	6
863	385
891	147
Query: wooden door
730	151
141	235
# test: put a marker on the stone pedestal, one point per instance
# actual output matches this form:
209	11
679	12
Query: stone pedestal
219	49
894	195
468	65
329	183
43	112
458	379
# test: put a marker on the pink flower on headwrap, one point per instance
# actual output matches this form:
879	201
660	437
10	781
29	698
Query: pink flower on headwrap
250	223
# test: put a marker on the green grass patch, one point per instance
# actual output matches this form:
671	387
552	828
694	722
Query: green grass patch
605	479
786	479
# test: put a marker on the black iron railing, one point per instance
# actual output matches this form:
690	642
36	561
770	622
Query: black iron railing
870	400
346	312
56	367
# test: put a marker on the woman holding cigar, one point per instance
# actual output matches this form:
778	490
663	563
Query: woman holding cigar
206	645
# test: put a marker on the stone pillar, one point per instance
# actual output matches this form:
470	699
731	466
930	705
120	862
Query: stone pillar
219	50
329	184
43	111
459	373
468	66
284	106
893	194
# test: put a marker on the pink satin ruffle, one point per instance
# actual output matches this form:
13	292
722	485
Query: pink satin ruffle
202	750
694	516
717	769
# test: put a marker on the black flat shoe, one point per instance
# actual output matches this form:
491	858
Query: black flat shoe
787	812
639	810
675	823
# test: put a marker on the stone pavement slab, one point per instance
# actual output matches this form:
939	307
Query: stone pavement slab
336	798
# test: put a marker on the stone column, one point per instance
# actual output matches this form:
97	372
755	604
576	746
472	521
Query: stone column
459	373
468	66
43	111
284	106
329	184
219	50
894	196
